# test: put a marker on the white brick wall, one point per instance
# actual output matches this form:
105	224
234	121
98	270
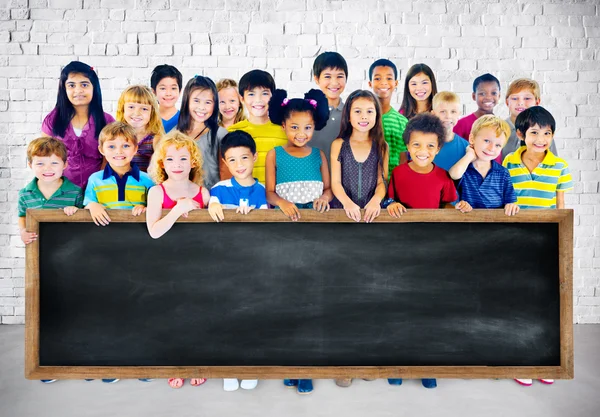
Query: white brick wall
555	42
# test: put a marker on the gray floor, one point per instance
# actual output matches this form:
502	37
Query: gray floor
577	398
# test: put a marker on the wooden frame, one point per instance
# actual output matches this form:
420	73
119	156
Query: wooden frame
564	219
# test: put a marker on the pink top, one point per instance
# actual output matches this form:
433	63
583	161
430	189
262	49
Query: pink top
169	204
464	125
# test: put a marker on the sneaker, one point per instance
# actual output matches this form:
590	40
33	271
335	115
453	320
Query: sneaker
47	381
429	382
395	381
547	381
305	386
145	379
524	382
249	383
290	383
89	379
230	384
110	380
344	382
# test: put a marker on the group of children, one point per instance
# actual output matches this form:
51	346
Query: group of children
248	146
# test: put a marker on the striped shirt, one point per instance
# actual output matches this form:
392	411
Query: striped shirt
144	153
114	192
67	195
538	189
393	128
494	191
230	194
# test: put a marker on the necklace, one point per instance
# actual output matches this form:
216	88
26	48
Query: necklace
201	132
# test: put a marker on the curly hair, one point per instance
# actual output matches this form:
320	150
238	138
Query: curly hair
176	138
425	123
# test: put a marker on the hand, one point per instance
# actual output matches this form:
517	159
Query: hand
396	210
70	210
372	210
463	206
185	205
470	151
99	214
137	210
243	209
321	205
352	211
28	237
216	212
511	209
290	210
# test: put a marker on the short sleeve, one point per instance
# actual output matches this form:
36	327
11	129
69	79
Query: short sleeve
21	205
510	196
448	190
90	194
565	181
108	118
79	199
391	192
47	124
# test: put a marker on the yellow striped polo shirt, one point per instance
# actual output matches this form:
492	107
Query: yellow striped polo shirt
114	192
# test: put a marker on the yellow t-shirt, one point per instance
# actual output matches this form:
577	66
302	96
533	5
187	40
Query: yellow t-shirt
267	137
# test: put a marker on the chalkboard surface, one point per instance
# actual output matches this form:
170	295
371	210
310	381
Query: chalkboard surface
300	294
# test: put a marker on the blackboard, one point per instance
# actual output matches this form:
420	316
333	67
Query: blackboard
306	294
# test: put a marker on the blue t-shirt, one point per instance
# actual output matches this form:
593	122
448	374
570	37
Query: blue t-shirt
171	123
230	194
494	191
451	152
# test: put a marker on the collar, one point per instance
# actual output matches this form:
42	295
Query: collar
66	185
238	185
493	167
340	106
549	158
133	172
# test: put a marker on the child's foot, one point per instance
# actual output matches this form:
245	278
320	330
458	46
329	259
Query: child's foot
547	381
429	382
369	379
230	384
110	380
290	383
47	381
89	379
344	382
395	381
145	379
176	382
249	383
305	386
196	382
524	382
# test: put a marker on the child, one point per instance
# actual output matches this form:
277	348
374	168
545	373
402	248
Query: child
419	89
297	174
166	82
483	182
137	107
383	76
230	108
446	106
177	171
199	120
256	88
120	185
330	72
522	94
486	93
77	120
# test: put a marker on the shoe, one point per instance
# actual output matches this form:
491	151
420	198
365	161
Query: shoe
145	379
305	386
175	382
395	381
196	382
89	379
547	381
249	383
369	379
524	382
343	382
110	380
230	384
47	381
429	382
290	383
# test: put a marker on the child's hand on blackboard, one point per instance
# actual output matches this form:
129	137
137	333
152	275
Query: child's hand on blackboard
70	210
372	210
321	205
243	209
396	209
511	209
463	206
137	210
216	212
290	210
98	213
352	211
28	237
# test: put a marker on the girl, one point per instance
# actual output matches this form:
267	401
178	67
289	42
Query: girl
359	158
199	120
230	109
77	119
297	175
419	89
138	108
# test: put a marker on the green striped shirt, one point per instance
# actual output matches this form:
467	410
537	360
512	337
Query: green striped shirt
67	195
393	128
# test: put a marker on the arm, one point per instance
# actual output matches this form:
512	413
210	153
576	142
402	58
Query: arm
26	237
351	208
157	226
373	207
288	208
321	204
458	169
560	199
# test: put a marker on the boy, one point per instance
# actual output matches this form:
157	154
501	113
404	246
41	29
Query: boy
522	94
121	184
242	192
446	106
166	83
256	88
486	93
383	79
540	178
419	184
483	182
330	72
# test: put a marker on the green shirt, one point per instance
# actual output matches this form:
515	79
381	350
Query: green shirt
393	128
67	195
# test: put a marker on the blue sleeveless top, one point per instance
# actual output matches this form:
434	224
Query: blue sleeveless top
298	180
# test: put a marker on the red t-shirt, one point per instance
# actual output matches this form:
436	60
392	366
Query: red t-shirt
421	191
463	126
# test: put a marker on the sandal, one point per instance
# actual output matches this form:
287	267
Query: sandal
176	382
195	382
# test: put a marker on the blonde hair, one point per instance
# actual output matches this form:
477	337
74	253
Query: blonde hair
143	95
229	83
114	129
494	122
524	84
156	170
444	97
46	146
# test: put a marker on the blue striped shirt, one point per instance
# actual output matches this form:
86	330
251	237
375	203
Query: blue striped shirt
230	194
494	191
